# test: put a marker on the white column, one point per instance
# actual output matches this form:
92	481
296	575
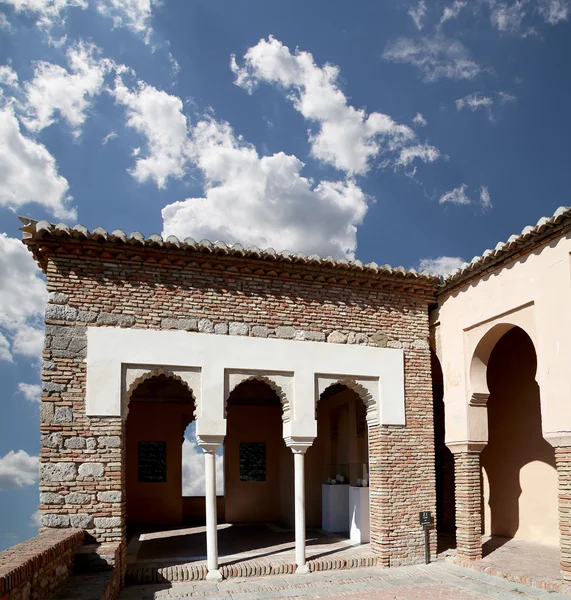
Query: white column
299	470
210	447
299	447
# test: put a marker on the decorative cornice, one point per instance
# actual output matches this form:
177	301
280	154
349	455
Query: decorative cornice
210	443
466	447
46	239
298	444
558	439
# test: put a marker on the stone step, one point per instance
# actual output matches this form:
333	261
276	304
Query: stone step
104	585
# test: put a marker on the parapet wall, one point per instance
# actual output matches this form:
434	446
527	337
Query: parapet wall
33	569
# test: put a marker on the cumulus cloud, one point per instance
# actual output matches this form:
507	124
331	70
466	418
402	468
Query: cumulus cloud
55	90
159	118
347	137
485	198
436	56
456	196
28	172
441	265
30	391
417	14
193	481
452	11
47	12
554	11
23	298
136	15
474	101
265	200
18	469
423	152
506	17
420	120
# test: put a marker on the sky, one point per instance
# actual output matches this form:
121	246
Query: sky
409	133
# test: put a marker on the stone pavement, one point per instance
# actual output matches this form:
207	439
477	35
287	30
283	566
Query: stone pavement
438	580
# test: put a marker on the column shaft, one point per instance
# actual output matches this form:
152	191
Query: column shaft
299	471
211	521
468	505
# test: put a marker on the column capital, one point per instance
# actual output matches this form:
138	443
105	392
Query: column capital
558	439
210	443
465	446
298	444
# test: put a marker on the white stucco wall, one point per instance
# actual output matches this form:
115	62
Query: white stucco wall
534	293
213	365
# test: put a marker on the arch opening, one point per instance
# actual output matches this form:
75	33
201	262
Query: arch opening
518	464
161	406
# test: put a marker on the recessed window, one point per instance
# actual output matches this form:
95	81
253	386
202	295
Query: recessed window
252	461
152	462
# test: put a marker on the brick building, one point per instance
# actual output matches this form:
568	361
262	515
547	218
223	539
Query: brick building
304	368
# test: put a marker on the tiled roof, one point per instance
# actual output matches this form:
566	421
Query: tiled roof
532	235
39	229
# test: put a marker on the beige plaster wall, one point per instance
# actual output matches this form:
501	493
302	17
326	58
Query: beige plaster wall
519	474
155	503
533	292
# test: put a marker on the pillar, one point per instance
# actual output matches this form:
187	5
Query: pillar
561	441
210	448
468	483
299	448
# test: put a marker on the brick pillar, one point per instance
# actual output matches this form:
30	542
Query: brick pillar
467	476
563	462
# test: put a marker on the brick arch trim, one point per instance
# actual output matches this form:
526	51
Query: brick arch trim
281	394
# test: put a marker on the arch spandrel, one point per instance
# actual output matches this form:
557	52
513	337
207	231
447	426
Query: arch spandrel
366	389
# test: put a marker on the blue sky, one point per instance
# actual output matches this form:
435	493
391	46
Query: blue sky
409	133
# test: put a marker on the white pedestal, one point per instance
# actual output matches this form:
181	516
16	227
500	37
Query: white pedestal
359	514
335	508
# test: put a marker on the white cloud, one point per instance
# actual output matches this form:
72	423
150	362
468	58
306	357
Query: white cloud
507	17
18	469
54	89
4	23
347	137
506	98
30	391
193	480
456	196
485	198
158	117
423	152
441	265
35	519
474	101
5	353
23	298
48	12
417	14
554	11
264	201
136	15
8	76
452	11
420	120
437	57
28	172
110	136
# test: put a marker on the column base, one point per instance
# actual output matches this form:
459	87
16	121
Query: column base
302	570
214	575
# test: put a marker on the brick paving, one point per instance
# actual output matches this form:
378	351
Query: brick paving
427	582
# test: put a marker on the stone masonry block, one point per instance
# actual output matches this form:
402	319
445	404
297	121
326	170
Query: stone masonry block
221	329
109	441
63	414
185	324
49	386
336	337
285	332
58	298
81	521
260	331
91	469
58	471
58	312
46	412
107	522
55	520
91	443
75	443
239	328
78	498
53	440
51	498
110	496
205	326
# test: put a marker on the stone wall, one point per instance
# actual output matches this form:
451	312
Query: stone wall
33	569
92	284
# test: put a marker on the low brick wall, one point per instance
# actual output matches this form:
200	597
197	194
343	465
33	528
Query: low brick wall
33	569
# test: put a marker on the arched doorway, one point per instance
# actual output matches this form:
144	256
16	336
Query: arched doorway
160	408
258	469
339	459
518	464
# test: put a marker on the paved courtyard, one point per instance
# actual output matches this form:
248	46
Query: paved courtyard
438	580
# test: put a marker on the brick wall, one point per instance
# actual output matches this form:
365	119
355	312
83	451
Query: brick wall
92	284
33	569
